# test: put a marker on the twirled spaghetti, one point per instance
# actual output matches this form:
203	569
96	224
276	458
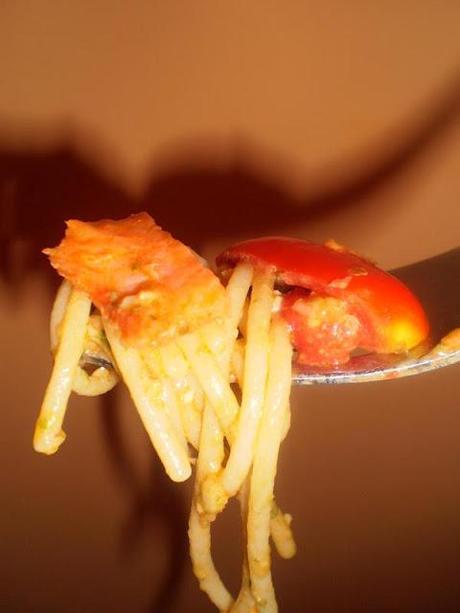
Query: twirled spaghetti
138	305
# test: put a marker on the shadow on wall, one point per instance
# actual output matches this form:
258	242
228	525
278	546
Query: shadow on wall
195	202
192	197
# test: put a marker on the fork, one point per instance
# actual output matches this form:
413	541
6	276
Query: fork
436	281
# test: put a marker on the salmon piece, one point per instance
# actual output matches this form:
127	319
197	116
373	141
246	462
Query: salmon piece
150	285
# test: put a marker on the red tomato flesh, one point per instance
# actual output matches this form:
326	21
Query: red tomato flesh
336	301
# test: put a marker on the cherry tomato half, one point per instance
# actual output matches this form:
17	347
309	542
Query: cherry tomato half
334	300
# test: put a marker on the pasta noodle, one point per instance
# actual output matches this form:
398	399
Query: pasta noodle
255	373
102	379
182	389
209	368
245	600
182	392
189	397
57	313
209	459
264	466
48	432
146	394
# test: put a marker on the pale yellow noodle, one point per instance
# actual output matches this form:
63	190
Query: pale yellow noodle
189	400
147	399
210	458
243	324
281	533
213	381
255	374
237	362
57	312
194	399
212	495
173	362
225	405
280	528
282	536
237	289
220	340
280	523
98	382
170	403
210	499
48	431
167	389
264	467
167	394
245	601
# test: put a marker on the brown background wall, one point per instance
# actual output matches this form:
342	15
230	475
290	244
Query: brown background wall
228	120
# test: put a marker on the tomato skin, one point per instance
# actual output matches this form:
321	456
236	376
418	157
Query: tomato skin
393	316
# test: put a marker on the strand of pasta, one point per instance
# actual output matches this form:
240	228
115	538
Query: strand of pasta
48	432
188	396
281	532
210	458
212	495
58	310
245	601
279	526
210	455
202	513
101	380
162	393
148	401
280	523
166	393
237	290
213	381
220	341
264	466
255	374
237	367
213	374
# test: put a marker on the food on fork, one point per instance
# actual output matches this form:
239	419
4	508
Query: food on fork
143	307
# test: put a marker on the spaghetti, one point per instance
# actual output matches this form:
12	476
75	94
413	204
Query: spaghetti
142	307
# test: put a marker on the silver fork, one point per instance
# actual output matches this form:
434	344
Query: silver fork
436	281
